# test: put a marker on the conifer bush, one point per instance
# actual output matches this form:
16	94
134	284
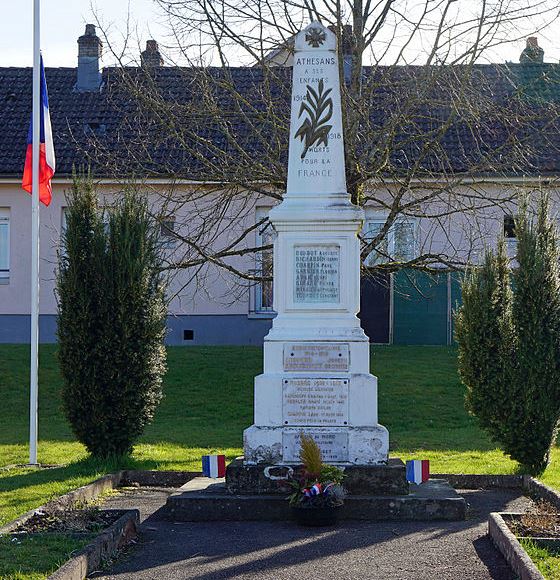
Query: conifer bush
484	331
536	311
508	333
111	320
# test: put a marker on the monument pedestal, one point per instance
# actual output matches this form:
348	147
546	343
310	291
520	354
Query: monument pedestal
357	445
270	479
316	375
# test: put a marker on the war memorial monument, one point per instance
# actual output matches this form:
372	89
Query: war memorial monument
316	376
316	356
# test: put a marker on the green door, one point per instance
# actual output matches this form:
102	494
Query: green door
420	308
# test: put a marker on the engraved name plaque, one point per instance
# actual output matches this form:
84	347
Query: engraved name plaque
317	274
333	445
308	356
315	401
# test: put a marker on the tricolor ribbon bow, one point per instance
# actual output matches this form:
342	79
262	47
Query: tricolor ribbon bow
315	489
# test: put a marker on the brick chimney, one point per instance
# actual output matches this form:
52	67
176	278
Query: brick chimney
89	52
151	57
532	53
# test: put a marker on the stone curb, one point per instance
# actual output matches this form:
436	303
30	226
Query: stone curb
526	483
538	489
87	492
147	478
176	478
504	540
513	552
476	481
102	548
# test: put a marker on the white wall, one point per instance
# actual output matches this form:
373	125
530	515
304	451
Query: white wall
215	291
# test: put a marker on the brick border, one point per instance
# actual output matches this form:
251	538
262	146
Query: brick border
505	540
511	549
102	548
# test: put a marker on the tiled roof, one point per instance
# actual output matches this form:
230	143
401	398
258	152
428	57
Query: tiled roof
474	121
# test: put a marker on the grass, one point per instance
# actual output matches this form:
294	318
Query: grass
34	557
208	403
547	561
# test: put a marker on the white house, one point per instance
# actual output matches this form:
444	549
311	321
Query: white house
96	122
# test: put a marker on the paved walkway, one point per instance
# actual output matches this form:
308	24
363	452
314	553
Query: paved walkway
283	551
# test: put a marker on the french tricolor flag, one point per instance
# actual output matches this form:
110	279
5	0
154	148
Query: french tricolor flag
418	470
214	465
46	149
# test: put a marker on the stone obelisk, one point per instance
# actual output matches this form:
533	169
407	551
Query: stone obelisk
316	375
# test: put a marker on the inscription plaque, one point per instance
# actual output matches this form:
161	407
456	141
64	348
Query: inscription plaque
317	273
315	401
308	356
333	445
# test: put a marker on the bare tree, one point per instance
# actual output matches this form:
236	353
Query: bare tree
430	129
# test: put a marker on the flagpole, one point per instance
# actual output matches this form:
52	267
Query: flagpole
34	367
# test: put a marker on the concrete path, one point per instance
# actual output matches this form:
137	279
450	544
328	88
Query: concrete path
282	551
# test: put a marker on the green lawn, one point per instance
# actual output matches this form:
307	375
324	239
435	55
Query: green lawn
547	561
208	403
36	556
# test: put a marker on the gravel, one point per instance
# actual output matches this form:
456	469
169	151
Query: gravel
283	551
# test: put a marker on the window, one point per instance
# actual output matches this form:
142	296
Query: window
404	240
167	235
509	227
398	244
509	232
4	245
379	254
263	292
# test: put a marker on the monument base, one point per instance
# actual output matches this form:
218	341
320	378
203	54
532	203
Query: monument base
204	499
339	445
269	479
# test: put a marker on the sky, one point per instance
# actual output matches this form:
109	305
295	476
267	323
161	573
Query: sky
63	21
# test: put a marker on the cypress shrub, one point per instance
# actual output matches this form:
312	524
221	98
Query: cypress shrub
536	309
509	343
485	335
111	324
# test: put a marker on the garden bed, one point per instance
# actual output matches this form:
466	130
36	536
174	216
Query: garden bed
79	521
534	533
540	522
69	537
82	540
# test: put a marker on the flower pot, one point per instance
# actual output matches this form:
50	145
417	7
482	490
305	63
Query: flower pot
316	516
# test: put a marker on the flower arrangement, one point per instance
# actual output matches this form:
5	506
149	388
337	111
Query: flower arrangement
319	484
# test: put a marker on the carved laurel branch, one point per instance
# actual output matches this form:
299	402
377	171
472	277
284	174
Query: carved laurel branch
319	108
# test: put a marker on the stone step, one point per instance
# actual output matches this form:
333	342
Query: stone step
205	499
